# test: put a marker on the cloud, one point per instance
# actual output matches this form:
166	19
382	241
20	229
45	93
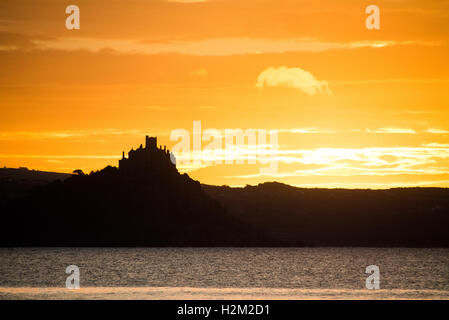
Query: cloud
431	159
201	74
202	47
11	136
59	156
291	78
15	41
436	145
396	81
392	130
308	130
155	108
437	131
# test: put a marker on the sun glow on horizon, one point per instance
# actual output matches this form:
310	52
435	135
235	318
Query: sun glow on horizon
353	107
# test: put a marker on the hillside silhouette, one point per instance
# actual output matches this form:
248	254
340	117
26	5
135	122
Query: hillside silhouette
145	201
410	217
18	182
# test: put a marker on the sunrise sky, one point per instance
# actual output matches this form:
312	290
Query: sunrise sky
355	108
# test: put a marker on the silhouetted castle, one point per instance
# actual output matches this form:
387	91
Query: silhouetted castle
149	159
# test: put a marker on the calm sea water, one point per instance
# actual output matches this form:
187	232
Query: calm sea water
224	273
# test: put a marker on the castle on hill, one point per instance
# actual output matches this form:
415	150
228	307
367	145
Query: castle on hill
149	159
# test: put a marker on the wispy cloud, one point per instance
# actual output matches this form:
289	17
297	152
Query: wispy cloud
345	162
202	74
393	81
58	156
436	145
154	107
416	112
208	107
437	131
392	130
312	130
15	41
430	159
210	47
65	134
291	78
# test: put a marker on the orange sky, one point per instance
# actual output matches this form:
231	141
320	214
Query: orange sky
374	114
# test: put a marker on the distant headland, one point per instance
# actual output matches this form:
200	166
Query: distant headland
145	201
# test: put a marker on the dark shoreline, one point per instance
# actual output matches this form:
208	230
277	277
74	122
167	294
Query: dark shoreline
110	208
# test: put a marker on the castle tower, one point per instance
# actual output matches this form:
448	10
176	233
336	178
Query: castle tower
150	142
150	159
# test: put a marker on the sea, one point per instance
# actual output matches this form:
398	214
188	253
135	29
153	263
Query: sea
224	273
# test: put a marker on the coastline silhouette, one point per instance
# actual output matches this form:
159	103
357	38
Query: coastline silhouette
145	201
